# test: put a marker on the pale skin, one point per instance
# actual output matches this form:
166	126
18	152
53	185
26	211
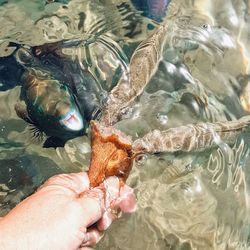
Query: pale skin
60	215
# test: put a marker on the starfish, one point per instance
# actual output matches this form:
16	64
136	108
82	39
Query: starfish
113	152
48	103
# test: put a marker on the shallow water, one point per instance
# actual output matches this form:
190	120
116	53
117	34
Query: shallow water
197	200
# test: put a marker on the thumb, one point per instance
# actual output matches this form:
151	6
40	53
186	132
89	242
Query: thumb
92	203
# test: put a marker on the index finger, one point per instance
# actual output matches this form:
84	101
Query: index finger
76	182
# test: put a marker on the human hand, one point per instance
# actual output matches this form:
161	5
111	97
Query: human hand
65	214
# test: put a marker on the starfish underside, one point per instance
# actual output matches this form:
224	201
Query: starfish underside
111	154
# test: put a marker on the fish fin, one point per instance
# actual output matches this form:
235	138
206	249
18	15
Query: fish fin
54	142
21	111
37	133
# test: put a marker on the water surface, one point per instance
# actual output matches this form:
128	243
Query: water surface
197	200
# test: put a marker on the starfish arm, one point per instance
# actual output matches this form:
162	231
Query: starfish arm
143	64
193	137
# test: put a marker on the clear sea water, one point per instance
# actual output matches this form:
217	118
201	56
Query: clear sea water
197	200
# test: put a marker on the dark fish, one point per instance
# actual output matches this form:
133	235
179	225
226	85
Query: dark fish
58	97
57	1
89	94
154	9
50	107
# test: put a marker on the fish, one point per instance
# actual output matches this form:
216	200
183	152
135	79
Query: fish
154	9
56	104
57	1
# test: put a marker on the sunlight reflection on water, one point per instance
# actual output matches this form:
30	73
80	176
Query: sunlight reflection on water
186	200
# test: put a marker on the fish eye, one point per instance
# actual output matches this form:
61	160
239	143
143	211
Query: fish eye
205	26
23	56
